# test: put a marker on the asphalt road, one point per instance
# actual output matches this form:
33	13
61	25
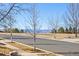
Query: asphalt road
60	47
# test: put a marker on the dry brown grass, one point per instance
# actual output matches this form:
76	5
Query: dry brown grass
30	50
55	36
25	48
5	50
44	35
46	54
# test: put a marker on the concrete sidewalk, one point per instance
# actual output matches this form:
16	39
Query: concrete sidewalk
70	40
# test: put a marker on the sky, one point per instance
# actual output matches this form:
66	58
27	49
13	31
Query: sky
46	12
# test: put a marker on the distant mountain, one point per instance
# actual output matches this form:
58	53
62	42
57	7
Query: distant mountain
44	31
38	31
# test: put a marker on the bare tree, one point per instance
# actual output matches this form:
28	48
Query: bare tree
7	15
33	23
7	12
72	16
53	25
8	23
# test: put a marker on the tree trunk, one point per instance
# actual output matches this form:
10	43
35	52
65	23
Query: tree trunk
11	34
55	34
76	32
34	38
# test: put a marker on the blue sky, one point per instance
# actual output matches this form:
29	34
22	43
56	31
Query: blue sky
46	12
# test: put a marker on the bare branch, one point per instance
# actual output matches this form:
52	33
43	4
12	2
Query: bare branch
7	12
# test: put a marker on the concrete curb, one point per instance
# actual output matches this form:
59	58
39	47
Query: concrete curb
40	49
48	52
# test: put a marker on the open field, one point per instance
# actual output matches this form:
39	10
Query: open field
56	36
42	35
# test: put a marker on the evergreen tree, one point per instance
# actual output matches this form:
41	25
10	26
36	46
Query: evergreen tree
70	29
61	30
66	30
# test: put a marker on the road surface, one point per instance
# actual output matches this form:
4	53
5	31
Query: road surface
60	47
